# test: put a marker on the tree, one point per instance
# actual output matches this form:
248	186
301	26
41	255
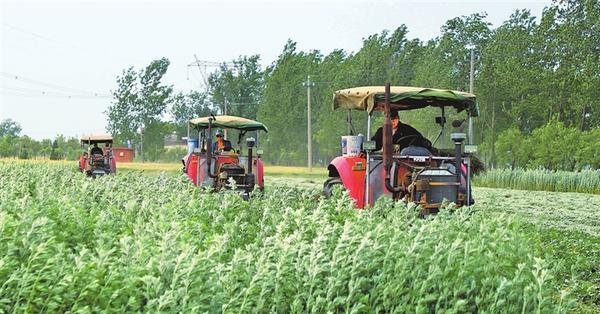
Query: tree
55	152
240	87
9	128
188	106
283	108
140	102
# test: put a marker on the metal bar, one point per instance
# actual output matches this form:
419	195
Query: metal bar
471	90
197	162
468	160
368	177
443	183
470	131
349	123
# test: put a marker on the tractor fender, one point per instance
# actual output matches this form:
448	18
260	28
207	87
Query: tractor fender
351	170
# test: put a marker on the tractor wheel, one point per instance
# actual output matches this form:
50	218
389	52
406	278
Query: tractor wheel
329	185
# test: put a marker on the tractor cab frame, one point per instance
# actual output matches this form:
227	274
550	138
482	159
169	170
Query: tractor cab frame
425	180
97	161
208	168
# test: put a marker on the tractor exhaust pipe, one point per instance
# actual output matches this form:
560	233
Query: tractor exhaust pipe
458	139
209	150
388	160
250	142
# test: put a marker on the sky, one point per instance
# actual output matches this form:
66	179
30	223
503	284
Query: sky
60	59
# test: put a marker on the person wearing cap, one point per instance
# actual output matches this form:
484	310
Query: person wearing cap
219	142
404	135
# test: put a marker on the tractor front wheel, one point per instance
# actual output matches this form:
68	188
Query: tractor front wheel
330	184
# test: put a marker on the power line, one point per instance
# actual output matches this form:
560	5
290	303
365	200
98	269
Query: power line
203	65
54	86
32	95
45	92
22	30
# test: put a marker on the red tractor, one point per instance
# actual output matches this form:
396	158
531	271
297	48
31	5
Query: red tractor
94	160
207	165
426	179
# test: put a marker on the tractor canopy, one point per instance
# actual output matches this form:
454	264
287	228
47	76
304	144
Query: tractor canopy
371	98
99	138
228	122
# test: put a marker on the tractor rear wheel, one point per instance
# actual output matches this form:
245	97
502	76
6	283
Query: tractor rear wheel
330	184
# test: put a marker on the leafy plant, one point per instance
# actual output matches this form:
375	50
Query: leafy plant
138	243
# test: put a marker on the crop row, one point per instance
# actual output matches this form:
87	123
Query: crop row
157	244
586	181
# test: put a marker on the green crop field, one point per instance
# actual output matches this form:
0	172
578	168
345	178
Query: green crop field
152	242
586	181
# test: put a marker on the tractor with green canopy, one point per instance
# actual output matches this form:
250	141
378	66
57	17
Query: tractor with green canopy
219	164
369	170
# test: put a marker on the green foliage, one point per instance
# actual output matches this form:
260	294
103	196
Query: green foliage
586	181
552	146
9	128
158	244
527	75
25	147
566	228
140	101
188	106
512	149
240	87
283	108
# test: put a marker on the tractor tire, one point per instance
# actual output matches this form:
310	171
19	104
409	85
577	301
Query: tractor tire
330	184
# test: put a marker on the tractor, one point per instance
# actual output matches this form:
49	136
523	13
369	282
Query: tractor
97	161
208	166
441	175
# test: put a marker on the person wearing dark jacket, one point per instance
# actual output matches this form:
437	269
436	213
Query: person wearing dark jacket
96	150
410	140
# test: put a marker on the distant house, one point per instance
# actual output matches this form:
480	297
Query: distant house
174	141
123	154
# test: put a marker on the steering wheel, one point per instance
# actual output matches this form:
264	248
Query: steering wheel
413	136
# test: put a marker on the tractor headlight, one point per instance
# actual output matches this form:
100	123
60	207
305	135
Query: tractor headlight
223	175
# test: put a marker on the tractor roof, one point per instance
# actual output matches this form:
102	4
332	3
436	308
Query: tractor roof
229	122
403	98
97	138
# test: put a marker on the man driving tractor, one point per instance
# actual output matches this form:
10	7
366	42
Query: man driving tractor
220	144
96	150
411	141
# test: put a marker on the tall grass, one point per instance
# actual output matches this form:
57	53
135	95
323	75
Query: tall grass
586	181
131	243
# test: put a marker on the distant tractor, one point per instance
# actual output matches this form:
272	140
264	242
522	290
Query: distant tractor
95	160
404	174
221	165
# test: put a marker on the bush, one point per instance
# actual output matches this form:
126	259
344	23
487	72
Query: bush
552	146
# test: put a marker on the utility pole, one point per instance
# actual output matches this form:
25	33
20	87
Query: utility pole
225	113
471	88
142	143
308	84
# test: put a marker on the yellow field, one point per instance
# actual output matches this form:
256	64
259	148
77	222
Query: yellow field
283	170
175	167
149	166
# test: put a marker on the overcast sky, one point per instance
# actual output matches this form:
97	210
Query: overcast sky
60	59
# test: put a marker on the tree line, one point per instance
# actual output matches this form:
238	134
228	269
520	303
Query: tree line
536	81
531	75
